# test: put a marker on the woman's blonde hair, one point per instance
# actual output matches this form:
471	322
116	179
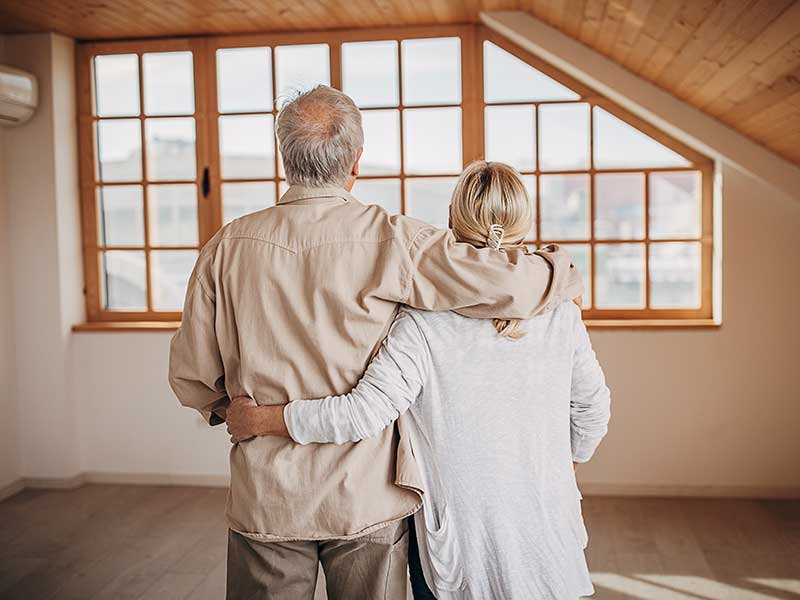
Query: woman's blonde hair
490	207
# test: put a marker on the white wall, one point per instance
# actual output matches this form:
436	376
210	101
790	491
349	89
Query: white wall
40	177
9	456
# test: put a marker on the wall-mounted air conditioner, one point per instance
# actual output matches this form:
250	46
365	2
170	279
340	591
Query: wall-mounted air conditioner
18	96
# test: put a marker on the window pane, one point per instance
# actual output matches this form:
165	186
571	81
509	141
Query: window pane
509	79
511	136
119	149
619	275
530	185
173	214
369	73
283	187
563	137
170	149
383	192
116	79
170	271
581	258
428	199
244	79
247	146
620	206
120	215
239	199
619	145
431	71
168	83
564	207
432	140
381	142
675	269
300	68
124	280
675	205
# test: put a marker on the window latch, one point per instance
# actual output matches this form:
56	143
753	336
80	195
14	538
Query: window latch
206	185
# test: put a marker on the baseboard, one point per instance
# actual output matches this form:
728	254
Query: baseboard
156	479
15	487
587	488
688	491
54	483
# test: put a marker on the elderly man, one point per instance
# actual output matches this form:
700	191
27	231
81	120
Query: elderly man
291	302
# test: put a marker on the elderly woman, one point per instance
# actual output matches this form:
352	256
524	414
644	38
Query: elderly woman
497	413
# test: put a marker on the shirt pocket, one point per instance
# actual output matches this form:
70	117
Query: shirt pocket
441	558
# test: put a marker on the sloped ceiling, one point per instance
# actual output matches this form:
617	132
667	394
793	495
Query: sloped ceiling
737	60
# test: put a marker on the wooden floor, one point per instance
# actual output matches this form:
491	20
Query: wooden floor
160	543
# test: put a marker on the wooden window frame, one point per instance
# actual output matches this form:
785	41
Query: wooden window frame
206	115
647	316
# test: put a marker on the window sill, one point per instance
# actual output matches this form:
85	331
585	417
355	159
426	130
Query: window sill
126	326
170	326
651	323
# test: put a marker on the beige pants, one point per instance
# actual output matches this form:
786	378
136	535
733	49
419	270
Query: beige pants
372	567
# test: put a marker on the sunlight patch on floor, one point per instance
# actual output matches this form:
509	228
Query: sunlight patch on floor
707	588
637	588
785	585
690	587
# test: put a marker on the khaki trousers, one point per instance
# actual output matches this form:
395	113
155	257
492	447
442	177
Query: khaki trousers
372	567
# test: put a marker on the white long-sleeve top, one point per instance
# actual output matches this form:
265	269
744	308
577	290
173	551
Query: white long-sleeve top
495	425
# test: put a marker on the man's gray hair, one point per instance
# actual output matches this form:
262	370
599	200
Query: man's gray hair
319	134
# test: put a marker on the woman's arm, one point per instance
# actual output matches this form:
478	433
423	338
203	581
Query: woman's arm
390	385
388	388
590	403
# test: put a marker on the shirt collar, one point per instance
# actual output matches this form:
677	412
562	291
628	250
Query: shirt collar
299	194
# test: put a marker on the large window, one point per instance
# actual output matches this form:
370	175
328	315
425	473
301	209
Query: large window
177	139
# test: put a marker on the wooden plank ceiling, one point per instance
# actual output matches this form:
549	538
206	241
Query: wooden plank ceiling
737	60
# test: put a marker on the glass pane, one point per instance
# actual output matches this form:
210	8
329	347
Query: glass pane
381	143
168	83
170	149
173	214
530	184
369	73
116	85
431	71
511	136
124	280
239	199
563	137
581	258
244	79
432	140
120	215
119	149
247	146
620	206
509	79
619	145
283	187
675	204
564	207
383	192
300	68
675	270
619	275
428	199
170	271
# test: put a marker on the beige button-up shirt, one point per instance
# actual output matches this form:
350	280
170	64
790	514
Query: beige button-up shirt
292	302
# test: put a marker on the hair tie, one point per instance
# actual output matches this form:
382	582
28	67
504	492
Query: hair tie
495	238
